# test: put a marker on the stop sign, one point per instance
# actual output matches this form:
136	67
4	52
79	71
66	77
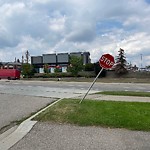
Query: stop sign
106	61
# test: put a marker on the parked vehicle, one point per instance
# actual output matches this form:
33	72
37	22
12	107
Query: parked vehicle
10	74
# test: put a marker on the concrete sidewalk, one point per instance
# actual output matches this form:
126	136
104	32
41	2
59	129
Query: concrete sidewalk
49	136
115	98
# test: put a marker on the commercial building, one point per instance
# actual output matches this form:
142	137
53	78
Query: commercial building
10	65
60	60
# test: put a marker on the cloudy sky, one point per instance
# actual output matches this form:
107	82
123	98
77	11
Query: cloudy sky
97	26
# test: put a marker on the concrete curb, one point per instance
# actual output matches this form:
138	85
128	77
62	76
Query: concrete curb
13	135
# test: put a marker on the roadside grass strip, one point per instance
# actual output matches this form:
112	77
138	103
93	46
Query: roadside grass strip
125	93
129	115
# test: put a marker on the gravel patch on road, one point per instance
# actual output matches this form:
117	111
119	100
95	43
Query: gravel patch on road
49	136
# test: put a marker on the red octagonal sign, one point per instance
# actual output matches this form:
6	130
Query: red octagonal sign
106	61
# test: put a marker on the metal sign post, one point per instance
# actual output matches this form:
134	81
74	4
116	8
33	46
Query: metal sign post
91	86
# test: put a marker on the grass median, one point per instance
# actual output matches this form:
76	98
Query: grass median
129	115
125	93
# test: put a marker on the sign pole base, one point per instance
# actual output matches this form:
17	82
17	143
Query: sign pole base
91	86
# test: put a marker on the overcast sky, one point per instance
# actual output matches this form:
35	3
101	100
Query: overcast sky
97	26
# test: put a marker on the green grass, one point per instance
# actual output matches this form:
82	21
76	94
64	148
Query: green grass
126	93
129	115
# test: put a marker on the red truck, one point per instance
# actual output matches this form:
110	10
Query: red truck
10	74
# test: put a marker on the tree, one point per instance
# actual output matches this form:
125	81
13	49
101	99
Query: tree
46	68
27	70
18	61
120	67
76	65
148	67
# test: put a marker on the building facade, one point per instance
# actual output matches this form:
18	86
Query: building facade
10	65
60	61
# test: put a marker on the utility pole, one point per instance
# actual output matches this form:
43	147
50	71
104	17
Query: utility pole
22	59
27	56
141	61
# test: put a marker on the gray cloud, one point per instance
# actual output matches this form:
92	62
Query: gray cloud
44	26
84	35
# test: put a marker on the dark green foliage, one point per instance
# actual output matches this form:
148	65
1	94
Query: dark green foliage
148	67
120	67
89	67
76	65
46	68
56	70
54	75
97	69
27	70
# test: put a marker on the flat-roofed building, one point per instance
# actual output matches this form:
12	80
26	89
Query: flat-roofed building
78	54
49	59
85	56
36	60
62	58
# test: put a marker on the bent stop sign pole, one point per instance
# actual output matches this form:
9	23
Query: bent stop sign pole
91	86
106	62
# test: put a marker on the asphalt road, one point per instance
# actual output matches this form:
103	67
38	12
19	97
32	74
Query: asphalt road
45	89
20	98
15	107
52	88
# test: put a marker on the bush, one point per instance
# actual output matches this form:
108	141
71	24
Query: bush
53	75
89	67
87	74
97	69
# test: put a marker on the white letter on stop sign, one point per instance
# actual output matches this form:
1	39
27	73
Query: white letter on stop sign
111	63
107	61
104	59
